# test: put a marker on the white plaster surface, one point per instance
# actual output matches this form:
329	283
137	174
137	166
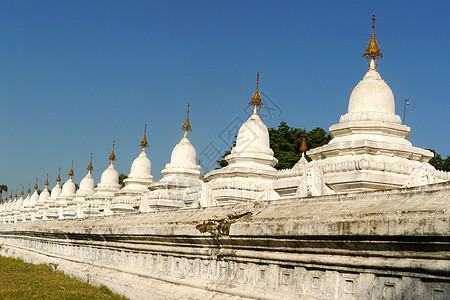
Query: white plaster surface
369	245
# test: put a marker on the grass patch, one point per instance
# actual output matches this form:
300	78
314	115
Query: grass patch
20	280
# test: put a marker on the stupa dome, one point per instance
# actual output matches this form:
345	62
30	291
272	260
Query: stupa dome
184	153
56	190
68	188
34	198
110	176
141	167
19	203
25	203
87	183
44	195
372	94
253	137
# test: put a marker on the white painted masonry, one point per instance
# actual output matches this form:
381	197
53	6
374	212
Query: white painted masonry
372	245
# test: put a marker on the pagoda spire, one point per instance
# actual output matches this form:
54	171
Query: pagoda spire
71	171
373	50
112	157
303	146
58	179
187	125
144	143
256	98
90	168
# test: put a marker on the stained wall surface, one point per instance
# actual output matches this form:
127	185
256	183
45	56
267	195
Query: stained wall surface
391	244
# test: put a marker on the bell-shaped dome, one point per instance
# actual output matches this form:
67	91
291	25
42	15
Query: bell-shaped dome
12	203
19	203
110	176
184	153
68	188
372	94
87	183
44	195
34	199
26	201
253	137
141	167
56	190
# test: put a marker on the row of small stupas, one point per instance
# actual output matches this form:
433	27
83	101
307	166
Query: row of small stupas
369	150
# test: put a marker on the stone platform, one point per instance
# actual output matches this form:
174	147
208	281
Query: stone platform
392	244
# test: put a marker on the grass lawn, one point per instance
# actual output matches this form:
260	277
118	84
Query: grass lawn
20	280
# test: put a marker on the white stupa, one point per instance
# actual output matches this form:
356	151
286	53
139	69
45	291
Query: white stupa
99	202
3	204
7	211
250	169
16	208
29	208
7	219
25	208
181	177
369	149
50	209
66	197
11	212
140	178
2	207
85	189
40	205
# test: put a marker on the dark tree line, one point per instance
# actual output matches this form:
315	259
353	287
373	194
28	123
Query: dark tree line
285	142
439	163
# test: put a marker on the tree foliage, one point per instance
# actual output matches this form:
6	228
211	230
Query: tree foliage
285	142
122	177
438	163
3	188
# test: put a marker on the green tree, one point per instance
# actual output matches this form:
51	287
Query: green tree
40	191
3	188
285	142
122	177
438	163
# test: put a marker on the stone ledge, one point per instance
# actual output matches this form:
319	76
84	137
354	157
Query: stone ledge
325	247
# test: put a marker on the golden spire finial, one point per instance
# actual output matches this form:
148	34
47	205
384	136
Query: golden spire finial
46	182
58	179
112	157
372	50
36	185
71	170
15	195
29	187
256	98
144	143
187	126
90	168
303	146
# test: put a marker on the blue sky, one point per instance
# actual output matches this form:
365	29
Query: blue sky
74	75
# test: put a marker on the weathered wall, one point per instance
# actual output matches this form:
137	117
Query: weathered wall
376	245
